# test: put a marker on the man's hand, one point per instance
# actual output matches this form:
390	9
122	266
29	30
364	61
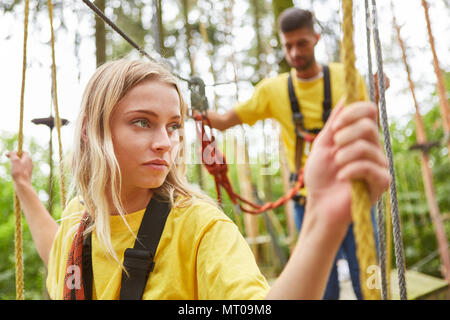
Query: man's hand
347	149
221	121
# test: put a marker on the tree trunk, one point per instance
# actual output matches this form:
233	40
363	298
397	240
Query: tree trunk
278	7
158	28
199	172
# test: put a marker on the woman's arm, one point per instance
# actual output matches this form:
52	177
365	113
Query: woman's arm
42	226
347	149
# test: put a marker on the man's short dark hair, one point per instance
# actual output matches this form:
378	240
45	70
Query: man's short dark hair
295	18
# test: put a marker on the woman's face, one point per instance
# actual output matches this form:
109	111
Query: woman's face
145	132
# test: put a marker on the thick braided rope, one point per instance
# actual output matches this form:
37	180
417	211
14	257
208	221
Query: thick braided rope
380	214
55	103
398	245
18	241
363	230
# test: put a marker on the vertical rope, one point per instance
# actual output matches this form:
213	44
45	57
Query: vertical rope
369	53
18	241
55	102
443	100
362	224
380	213
399	257
388	220
426	170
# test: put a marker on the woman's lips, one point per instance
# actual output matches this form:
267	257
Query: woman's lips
158	164
154	166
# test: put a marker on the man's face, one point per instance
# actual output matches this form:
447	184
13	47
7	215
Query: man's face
298	47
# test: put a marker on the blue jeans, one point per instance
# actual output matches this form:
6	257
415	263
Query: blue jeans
347	250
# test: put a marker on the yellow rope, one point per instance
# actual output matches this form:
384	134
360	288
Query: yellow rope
362	225
55	102
18	242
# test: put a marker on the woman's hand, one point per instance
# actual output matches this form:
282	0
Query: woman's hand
21	168
347	149
42	226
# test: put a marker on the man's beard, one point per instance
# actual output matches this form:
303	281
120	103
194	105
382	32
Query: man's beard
308	63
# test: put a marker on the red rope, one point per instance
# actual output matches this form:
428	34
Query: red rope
215	162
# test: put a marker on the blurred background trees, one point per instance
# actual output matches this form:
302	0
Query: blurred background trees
234	43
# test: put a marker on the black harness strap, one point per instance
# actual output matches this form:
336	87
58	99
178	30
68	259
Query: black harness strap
297	115
139	260
326	94
87	266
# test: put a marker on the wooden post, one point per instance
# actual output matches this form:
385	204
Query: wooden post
426	171
443	100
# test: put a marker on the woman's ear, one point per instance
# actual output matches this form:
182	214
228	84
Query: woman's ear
83	131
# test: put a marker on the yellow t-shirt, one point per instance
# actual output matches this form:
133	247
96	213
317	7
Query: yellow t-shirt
201	255
270	99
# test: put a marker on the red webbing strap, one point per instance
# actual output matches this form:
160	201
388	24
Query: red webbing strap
215	162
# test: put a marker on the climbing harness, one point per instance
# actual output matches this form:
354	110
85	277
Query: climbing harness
302	134
138	262
215	163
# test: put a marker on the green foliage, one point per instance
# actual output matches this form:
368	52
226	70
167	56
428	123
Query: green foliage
418	232
33	267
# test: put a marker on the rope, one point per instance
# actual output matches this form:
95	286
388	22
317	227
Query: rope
380	214
55	102
18	241
426	171
215	163
443	100
398	245
365	244
154	57
388	243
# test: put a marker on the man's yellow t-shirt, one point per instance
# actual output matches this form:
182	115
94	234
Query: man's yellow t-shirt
201	255
270	99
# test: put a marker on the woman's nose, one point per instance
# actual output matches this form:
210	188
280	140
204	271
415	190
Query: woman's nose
162	141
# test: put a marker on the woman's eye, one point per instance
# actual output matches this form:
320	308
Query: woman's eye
174	127
141	123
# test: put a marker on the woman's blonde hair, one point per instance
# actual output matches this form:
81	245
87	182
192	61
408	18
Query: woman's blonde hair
94	165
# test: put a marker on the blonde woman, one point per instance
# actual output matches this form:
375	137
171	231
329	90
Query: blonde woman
128	151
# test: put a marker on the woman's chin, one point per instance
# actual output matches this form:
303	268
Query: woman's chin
153	184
